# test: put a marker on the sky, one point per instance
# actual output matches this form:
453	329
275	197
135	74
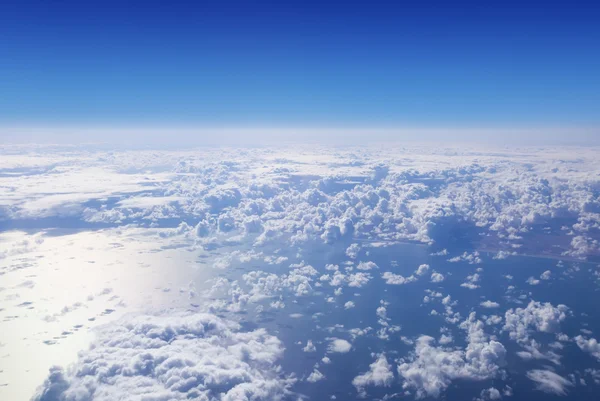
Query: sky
300	64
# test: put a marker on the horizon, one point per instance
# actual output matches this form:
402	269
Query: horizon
173	137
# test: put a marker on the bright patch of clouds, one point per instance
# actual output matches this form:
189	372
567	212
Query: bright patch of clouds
338	345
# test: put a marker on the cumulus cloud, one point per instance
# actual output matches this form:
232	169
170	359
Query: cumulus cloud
338	345
422	269
366	266
590	346
431	369
520	322
549	382
397	279
437	277
315	376
272	200
471	282
379	374
490	304
180	357
310	347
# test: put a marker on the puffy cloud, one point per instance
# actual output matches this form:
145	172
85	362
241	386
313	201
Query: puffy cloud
589	345
358	279
422	269
490	304
379	374
349	305
315	376
339	345
471	282
366	266
273	199
471	258
521	323
179	357
352	251
310	347
489	394
427	197
397	279
431	369
581	246
544	317
549	382
437	277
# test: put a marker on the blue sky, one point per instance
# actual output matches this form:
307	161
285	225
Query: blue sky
225	63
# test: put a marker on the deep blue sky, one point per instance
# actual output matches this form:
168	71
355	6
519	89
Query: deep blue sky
493	63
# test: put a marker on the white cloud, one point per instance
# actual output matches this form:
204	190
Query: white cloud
352	251
367	266
286	201
437	277
471	282
549	382
315	376
590	346
490	304
310	347
489	394
349	305
174	357
379	374
339	345
358	279
521	323
431	369
422	269
536	316
397	279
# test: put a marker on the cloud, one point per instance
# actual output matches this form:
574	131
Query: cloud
471	258
489	394
521	323
590	346
310	347
549	382
490	304
178	357
282	202
471	282
358	279
431	369
397	279
338	345
422	269
379	374
437	277
367	266
315	376
544	317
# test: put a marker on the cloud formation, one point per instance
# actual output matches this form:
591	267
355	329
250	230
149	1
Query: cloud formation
197	356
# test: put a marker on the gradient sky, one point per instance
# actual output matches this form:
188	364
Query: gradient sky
492	63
